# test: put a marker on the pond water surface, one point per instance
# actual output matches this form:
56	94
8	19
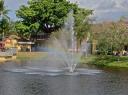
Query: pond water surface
108	82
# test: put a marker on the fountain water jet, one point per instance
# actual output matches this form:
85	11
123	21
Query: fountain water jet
61	57
63	42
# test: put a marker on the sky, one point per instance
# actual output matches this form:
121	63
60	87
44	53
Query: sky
14	5
104	10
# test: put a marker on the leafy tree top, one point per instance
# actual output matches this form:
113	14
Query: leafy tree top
47	15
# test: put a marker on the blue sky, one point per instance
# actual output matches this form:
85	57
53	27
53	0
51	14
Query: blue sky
104	9
13	5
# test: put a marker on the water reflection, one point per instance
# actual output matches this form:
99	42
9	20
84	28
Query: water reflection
111	82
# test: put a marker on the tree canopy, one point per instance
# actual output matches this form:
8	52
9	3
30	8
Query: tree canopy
43	15
112	37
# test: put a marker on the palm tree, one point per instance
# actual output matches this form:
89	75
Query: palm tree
3	10
1	6
4	19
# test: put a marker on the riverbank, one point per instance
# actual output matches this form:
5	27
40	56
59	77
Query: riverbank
107	61
102	61
7	58
30	55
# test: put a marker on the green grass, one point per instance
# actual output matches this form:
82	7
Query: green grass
107	61
118	64
30	55
88	59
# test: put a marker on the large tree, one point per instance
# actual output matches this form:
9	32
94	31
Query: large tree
43	15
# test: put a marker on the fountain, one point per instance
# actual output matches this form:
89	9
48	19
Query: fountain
61	57
63	44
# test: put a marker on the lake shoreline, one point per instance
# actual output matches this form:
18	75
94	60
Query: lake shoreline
106	61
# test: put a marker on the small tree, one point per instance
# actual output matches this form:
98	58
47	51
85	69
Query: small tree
104	42
119	37
82	25
113	38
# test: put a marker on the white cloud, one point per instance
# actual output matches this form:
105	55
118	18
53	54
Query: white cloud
106	5
106	9
102	8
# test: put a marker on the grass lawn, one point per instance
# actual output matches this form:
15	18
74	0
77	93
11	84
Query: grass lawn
107	61
118	64
30	55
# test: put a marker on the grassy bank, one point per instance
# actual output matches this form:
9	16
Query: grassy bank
30	55
107	61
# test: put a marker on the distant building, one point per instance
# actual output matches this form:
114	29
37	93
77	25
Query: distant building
41	36
25	46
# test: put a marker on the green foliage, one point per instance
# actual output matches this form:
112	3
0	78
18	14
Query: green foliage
104	43
111	61
105	59
22	30
5	20
82	25
112	39
4	25
44	15
1	5
119	36
3	10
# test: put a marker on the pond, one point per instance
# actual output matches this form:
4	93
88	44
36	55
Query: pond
108	82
